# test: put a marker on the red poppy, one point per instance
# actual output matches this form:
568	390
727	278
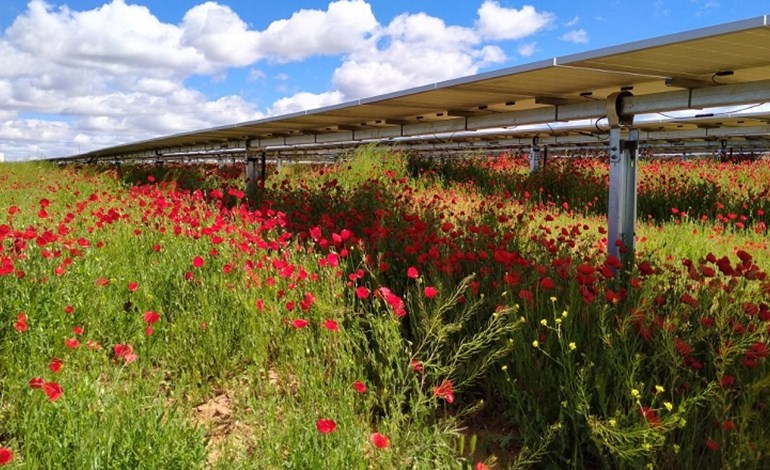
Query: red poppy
359	386
36	382
650	415
331	325
198	262
711	445
431	292
55	365
53	390
480	466
5	456
21	324
299	323
380	441
547	283
122	350
412	272
362	292
78	330
325	426
151	317
72	343
133	286
416	365
445	391
69	309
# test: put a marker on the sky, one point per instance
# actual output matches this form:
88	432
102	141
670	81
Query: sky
80	75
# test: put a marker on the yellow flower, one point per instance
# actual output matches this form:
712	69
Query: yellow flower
504	368
553	299
660	389
635	393
535	344
669	406
613	423
564	314
544	322
572	346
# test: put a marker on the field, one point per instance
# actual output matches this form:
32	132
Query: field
383	313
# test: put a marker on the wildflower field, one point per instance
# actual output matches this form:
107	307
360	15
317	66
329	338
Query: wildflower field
383	313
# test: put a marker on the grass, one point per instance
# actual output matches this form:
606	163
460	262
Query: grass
512	341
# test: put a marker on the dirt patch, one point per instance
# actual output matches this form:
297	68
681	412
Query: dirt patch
223	430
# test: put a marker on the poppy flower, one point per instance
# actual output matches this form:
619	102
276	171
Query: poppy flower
325	426
359	386
431	292
133	286
445	391
362	292
416	365
122	350
69	309
198	262
55	365
5	456
151	317
53	390
711	445
331	325
299	323
78	330
72	343
36	382
480	466
380	441
412	272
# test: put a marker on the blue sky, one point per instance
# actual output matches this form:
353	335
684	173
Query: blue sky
84	74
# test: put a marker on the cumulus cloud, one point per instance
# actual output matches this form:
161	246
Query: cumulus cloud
498	23
303	101
578	36
413	50
528	49
338	30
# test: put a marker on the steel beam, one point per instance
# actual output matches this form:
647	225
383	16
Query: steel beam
621	217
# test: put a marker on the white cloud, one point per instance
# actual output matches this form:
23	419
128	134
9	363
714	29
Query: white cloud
498	23
256	74
219	34
578	36
413	50
527	50
572	22
303	101
339	30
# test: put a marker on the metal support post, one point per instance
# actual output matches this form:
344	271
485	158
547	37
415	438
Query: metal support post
622	199
251	173
621	215
534	156
264	167
545	155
